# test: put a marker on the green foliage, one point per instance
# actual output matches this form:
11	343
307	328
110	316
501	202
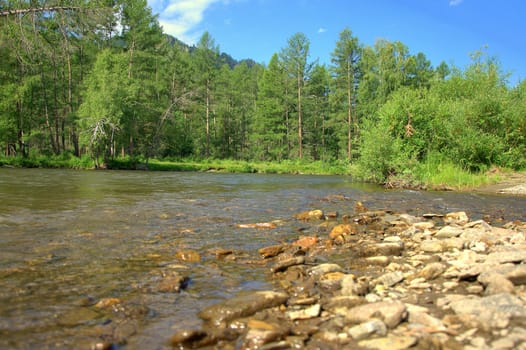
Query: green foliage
104	82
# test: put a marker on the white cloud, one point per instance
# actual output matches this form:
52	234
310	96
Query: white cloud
181	18
455	2
322	30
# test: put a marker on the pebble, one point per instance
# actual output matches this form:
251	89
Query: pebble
380	280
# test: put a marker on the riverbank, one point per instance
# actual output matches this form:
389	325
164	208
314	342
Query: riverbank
437	177
379	280
510	183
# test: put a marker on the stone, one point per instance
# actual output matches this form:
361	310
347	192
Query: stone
424	225
340	305
188	337
306	242
286	263
432	246
420	315
449	232
390	312
457	218
367	329
384	249
305	313
261	333
516	256
271	251
321	269
310	215
517	275
495	283
489	312
107	302
171	282
391	342
343	230
390	279
408	219
378	260
260	225
353	286
190	256
432	271
242	305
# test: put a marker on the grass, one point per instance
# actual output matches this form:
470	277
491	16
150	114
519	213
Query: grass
446	175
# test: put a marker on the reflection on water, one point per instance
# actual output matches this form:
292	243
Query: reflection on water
71	238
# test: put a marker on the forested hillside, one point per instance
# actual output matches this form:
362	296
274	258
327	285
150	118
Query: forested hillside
101	79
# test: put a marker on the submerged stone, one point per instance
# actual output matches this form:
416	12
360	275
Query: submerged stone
242	305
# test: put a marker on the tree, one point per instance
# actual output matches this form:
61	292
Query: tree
345	61
294	57
269	129
319	138
206	60
106	97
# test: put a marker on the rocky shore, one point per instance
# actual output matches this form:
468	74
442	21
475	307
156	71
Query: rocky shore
377	280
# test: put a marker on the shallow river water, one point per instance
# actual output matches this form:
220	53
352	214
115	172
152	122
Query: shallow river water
71	238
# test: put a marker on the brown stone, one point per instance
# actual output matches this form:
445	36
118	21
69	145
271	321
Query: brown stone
343	230
271	251
306	242
188	256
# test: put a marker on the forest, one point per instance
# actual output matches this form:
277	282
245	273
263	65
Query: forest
99	80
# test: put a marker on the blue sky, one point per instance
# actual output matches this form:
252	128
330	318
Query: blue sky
444	30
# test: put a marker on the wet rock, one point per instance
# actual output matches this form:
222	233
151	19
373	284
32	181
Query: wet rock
306	242
367	329
310	215
188	338
220	253
343	230
242	305
107	302
284	264
77	317
271	251
190	256
259	225
171	282
390	312
384	249
261	333
359	207
304	313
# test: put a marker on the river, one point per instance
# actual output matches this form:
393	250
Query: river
71	238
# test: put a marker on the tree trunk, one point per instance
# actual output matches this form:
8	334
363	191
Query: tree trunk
300	118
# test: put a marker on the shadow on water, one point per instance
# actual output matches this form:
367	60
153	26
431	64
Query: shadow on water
71	238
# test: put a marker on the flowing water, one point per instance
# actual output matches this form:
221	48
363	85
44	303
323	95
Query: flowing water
71	238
